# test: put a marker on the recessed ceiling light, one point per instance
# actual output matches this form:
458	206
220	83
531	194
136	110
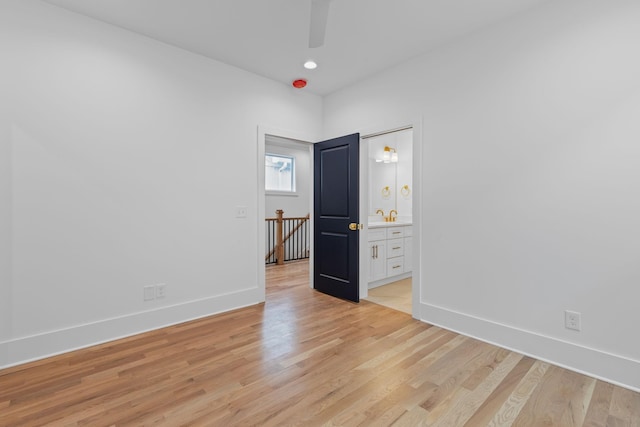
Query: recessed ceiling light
310	65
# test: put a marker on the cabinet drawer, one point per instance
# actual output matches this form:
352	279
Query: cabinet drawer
395	266
377	234
395	232
395	248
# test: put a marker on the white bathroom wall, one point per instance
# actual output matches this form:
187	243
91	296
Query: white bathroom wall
298	204
382	176
404	144
530	180
111	145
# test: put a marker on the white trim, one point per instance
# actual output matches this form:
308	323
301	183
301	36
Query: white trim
300	138
281	193
39	346
599	364
363	207
416	217
416	125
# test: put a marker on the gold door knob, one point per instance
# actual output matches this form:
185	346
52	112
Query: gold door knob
355	226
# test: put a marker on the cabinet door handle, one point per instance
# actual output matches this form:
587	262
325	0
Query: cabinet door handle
373	251
376	251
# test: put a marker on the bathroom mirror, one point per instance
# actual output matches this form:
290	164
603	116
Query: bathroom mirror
390	173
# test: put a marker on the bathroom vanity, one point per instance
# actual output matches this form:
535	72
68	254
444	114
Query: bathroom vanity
390	252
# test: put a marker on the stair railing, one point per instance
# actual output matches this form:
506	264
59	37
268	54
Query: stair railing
287	238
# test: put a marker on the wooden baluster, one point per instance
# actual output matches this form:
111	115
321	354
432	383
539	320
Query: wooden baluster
280	237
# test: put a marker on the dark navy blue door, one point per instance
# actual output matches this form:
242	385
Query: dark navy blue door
335	210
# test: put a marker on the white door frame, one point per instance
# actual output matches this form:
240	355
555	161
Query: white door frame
416	125
263	131
416	274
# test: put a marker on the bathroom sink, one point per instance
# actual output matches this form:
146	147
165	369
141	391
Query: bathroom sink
377	223
385	224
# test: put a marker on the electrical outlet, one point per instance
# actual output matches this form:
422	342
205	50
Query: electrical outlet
161	290
241	211
572	320
149	292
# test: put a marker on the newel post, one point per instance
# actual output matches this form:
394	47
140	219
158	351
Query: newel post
280	239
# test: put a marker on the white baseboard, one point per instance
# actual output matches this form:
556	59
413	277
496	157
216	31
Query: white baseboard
608	367
26	349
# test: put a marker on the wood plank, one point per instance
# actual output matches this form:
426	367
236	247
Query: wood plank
578	403
485	414
416	417
463	408
599	405
511	407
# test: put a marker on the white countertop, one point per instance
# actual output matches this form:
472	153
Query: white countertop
381	224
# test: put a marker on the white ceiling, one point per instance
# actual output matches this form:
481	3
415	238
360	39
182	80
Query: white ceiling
270	37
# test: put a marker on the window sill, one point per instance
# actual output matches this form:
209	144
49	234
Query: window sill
281	193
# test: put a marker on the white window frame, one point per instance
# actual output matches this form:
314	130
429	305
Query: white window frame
291	192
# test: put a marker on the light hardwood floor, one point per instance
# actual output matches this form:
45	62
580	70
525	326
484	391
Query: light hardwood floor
307	359
396	295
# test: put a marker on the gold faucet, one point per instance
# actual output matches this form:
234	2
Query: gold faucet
391	217
381	212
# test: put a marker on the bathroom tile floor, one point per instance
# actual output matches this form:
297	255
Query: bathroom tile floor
396	295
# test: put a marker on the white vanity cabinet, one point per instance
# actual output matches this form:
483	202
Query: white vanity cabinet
377	254
389	253
395	251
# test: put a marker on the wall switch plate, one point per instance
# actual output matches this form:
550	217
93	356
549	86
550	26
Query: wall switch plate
149	292
241	211
572	320
161	290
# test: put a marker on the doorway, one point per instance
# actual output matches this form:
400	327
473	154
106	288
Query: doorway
416	126
390	217
285	179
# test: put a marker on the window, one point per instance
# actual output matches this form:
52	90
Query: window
279	173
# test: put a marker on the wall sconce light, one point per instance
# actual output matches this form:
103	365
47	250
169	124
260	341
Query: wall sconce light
389	155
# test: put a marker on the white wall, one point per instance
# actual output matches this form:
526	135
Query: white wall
393	175
404	144
5	227
381	176
530	180
115	180
298	204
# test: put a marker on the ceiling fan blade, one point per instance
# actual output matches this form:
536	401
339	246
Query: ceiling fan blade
318	25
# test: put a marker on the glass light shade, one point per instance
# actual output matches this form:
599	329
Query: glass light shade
386	155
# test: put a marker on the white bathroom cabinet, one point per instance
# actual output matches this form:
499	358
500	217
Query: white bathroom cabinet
389	253
377	260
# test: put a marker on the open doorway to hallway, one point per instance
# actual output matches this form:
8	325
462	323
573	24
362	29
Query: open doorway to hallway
289	275
287	200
